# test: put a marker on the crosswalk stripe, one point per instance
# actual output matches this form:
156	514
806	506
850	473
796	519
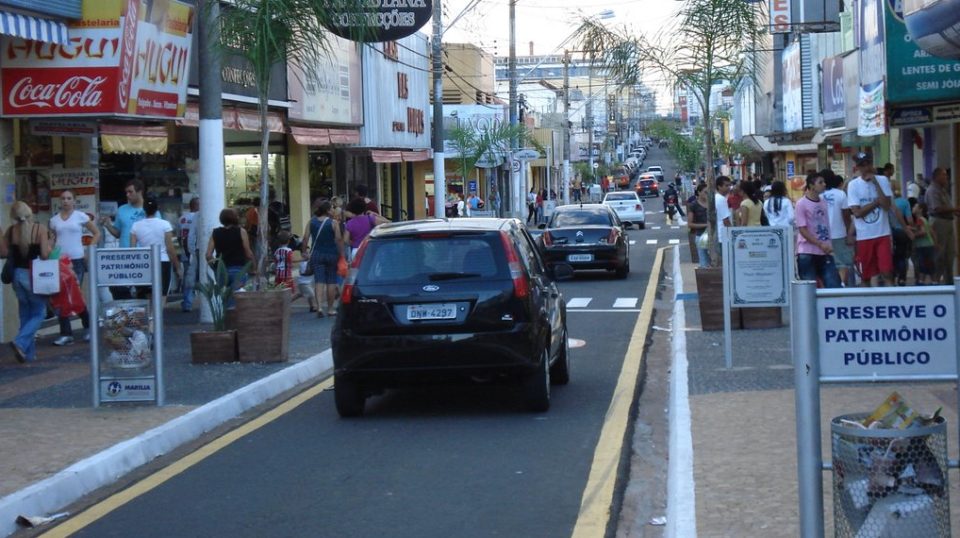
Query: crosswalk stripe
674	241
674	227
655	227
579	302
626	302
632	242
651	241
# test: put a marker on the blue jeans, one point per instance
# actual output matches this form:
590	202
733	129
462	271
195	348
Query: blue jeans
813	266
190	269
32	309
79	269
236	277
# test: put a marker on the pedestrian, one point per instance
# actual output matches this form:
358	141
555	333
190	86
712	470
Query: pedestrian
778	207
231	244
325	246
842	236
361	191
924	241
187	225
494	199
23	242
283	262
751	208
305	286
734	199
461	206
942	214
67	226
913	190
814	247
698	222
359	226
155	231
869	197
902	233
577	188
122	223
724	216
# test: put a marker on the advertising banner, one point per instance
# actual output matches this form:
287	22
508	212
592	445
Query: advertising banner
870	39
792	89
82	182
914	75
334	92
124	57
834	104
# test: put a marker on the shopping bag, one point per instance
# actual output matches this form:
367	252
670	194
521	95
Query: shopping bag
342	268
45	276
69	302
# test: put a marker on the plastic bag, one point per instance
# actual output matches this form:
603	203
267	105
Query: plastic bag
69	302
342	268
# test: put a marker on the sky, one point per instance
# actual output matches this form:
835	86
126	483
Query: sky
549	22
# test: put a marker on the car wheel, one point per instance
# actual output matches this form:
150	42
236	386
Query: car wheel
537	385
622	272
641	225
348	396
560	371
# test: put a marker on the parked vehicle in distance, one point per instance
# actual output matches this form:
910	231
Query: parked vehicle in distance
586	237
657	171
436	301
628	207
647	186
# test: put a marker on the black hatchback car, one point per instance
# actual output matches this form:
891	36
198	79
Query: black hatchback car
588	236
441	300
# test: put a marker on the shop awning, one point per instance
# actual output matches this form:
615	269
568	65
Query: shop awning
133	139
344	136
381	156
235	119
35	28
415	156
763	144
310	136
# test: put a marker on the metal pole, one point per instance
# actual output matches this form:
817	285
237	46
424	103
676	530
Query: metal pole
157	300
439	173
590	118
956	316
727	267
806	375
516	191
566	126
94	313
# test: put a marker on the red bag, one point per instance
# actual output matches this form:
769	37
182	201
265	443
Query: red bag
342	268
69	302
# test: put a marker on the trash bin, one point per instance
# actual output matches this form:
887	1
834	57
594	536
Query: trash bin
889	482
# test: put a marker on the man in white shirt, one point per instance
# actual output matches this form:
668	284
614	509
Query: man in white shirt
724	217
869	196
188	244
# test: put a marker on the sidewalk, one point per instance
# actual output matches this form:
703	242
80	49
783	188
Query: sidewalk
744	426
48	423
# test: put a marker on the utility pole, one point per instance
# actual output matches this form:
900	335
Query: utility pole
439	174
516	194
566	126
590	118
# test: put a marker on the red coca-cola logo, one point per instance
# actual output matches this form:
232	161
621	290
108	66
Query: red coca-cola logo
73	93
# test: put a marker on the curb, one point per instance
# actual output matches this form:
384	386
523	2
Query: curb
105	467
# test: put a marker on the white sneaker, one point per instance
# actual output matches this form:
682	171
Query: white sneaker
63	341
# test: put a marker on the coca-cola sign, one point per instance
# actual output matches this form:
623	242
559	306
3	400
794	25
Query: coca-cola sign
126	58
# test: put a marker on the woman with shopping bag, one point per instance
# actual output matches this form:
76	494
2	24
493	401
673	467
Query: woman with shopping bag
24	242
68	226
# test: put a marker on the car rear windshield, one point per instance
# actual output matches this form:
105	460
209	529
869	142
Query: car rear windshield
580	218
647	182
620	196
431	258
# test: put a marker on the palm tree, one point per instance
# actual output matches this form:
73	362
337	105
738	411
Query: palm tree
709	42
271	32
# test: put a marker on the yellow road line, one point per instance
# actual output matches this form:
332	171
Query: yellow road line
121	498
598	494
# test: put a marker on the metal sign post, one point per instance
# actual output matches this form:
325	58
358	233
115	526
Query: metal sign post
860	335
126	344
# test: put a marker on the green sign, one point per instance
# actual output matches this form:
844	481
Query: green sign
913	75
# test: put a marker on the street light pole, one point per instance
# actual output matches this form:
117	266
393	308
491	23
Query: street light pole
566	126
516	196
439	174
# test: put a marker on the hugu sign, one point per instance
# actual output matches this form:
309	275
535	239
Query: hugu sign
379	20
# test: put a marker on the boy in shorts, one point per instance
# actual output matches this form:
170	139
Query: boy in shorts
869	196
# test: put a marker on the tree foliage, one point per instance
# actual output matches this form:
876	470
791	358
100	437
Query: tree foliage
494	142
708	43
686	149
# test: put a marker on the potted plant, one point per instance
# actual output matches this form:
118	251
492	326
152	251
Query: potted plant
220	344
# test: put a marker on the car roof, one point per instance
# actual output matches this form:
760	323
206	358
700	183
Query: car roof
620	195
593	208
655	167
648	176
443	225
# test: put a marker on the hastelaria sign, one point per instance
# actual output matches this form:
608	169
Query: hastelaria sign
378	20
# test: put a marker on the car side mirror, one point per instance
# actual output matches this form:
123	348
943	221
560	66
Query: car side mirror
562	271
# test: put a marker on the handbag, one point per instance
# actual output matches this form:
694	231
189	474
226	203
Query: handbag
703	240
6	276
342	268
45	276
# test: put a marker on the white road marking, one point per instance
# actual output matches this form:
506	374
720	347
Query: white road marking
651	241
674	227
603	310
655	227
579	302
632	242
674	241
626	302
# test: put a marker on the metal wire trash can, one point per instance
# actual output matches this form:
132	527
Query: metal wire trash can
889	482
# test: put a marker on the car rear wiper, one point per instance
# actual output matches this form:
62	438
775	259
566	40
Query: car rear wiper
452	276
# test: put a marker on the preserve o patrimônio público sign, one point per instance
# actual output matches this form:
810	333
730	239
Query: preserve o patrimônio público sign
378	20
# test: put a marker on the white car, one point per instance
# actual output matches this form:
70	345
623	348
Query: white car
657	171
628	207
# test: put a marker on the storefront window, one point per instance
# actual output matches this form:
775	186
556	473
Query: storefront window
321	175
243	179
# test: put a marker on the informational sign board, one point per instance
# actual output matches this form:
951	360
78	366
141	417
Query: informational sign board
124	267
760	266
527	154
901	335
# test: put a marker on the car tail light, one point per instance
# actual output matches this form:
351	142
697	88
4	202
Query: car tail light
521	286
612	238
346	295
638	207
547	239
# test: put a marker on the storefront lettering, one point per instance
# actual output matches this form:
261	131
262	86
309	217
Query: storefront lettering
77	47
414	121
238	76
403	90
76	91
129	44
162	62
399	127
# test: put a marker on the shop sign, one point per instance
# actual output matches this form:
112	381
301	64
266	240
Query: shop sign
332	93
51	127
924	115
870	39
913	74
834	105
934	25
792	88
123	58
82	182
379	20
780	21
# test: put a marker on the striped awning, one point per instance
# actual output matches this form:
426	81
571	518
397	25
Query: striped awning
35	28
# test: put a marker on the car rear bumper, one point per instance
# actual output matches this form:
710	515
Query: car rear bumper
603	258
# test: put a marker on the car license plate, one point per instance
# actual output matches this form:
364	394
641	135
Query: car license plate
416	312
622	209
580	258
